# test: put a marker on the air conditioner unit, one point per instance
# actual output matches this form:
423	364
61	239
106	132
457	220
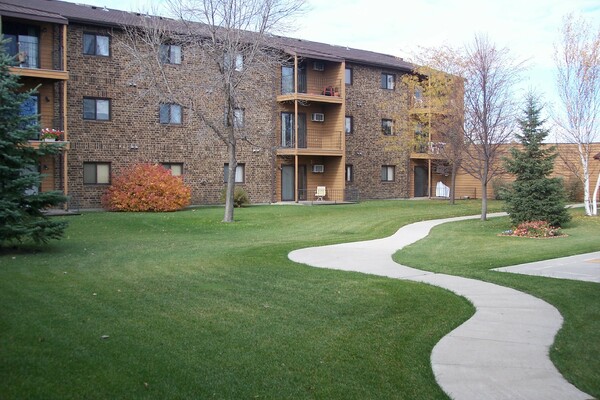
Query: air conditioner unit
318	169
319	66
317	117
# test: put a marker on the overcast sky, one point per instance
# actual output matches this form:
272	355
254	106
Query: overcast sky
529	28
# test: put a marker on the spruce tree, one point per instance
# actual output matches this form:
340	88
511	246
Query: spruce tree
534	196
21	216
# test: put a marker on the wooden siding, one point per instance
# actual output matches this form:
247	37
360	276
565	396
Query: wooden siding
48	168
468	186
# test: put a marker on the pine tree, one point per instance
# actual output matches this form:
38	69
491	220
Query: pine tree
534	196
21	215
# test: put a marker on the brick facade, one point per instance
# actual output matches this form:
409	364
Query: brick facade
367	148
133	134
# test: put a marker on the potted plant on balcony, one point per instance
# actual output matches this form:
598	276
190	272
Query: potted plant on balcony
50	135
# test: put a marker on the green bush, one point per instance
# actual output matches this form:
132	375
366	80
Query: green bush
500	188
240	197
573	189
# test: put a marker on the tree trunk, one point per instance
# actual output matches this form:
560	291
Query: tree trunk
453	183
484	200
595	198
228	217
484	183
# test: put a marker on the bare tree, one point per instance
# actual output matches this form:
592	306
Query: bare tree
486	76
577	58
490	110
229	45
439	96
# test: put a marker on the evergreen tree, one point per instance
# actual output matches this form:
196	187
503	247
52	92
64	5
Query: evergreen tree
534	196
21	215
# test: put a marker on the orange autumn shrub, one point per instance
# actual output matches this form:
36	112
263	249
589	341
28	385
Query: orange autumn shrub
147	187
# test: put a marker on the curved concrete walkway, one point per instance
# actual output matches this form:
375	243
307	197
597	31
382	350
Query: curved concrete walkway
500	353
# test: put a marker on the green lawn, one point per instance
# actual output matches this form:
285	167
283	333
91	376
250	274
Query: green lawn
194	308
449	249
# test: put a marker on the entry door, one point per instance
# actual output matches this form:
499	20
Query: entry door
302	182
421	181
287	183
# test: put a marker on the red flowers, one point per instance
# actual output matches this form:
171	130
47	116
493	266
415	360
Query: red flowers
49	133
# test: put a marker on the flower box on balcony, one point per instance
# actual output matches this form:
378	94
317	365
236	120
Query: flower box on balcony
50	135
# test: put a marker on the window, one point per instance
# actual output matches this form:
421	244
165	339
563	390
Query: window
288	130
420	139
349	125
239	173
170	54
348	76
387	173
175	168
96	173
96	109
236	61
31	108
387	81
349	173
418	95
22	43
387	126
170	113
238	118
96	45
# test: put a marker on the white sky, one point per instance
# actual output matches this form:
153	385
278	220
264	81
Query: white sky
529	28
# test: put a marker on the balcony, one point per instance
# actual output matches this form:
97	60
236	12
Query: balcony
27	55
313	142
311	89
428	150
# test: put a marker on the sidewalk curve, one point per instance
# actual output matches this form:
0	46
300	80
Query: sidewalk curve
501	352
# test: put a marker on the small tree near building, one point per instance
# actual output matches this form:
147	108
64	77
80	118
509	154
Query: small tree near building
233	45
534	196
21	205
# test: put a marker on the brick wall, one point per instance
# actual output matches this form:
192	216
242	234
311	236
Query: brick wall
134	134
367	149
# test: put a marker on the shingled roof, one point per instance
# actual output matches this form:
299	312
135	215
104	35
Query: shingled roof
62	11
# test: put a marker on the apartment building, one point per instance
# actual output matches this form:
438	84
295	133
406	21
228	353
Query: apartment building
331	120
328	122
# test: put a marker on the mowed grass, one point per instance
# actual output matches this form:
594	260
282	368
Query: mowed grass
472	248
180	305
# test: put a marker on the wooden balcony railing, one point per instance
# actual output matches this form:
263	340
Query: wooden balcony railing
315	87
347	195
433	148
316	139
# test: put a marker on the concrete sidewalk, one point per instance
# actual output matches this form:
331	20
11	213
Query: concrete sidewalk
500	353
583	267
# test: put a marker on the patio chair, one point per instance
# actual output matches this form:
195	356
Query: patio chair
320	193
